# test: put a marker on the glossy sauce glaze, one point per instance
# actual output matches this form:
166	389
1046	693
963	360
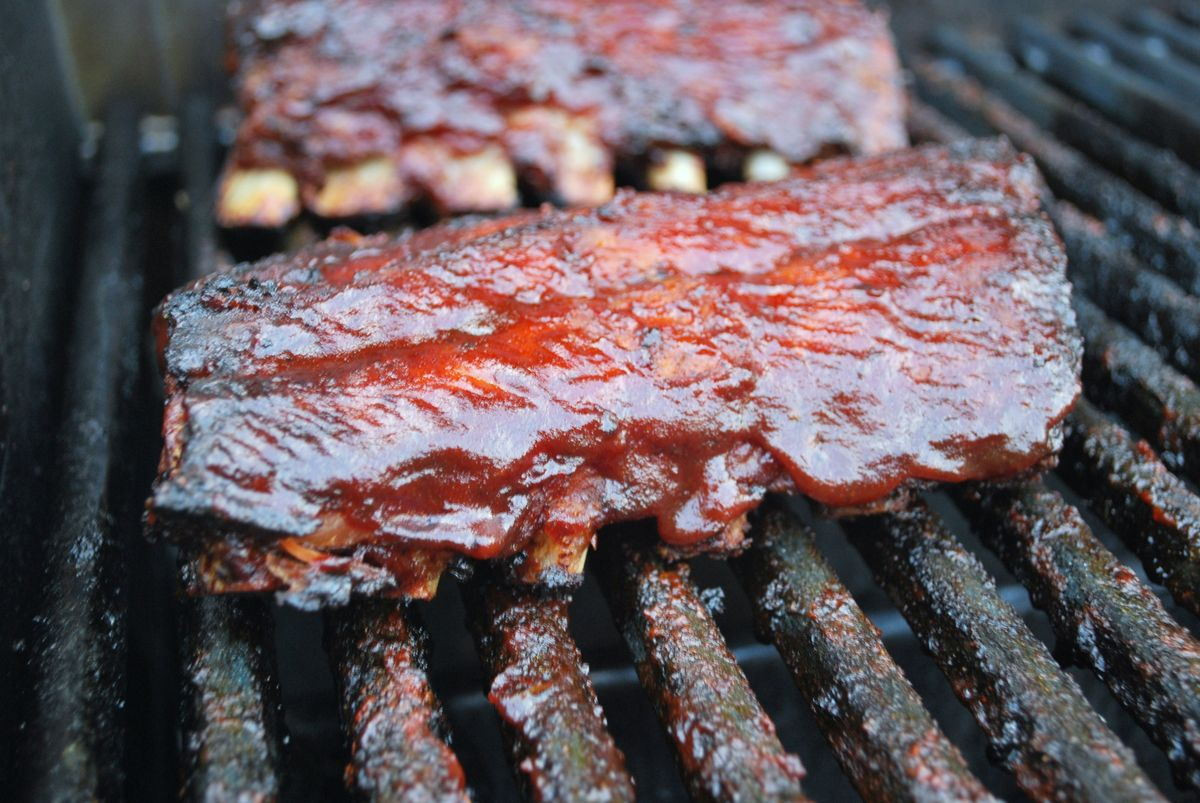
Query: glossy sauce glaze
868	324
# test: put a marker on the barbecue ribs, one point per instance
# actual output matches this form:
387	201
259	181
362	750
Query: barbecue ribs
358	106
356	415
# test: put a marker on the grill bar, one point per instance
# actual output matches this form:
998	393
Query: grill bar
724	742
1175	75
1122	95
1150	508
232	722
1189	12
1108	618
555	728
1037	721
395	723
1162	314
1122	373
885	740
233	731
80	634
1179	38
198	164
1167	241
927	124
1156	171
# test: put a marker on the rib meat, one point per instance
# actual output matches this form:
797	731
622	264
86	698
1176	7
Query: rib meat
356	106
362	411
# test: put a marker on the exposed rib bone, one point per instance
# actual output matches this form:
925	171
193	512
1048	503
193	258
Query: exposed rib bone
483	181
372	186
562	154
552	561
765	165
267	197
679	170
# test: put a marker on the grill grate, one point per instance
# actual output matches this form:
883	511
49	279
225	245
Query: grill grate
231	716
725	743
395	722
1121	93
1158	309
80	637
540	686
838	659
1099	610
1099	109
1121	372
1039	725
1150	507
1165	239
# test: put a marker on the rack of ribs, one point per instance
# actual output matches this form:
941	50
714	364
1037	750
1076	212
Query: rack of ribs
354	107
358	416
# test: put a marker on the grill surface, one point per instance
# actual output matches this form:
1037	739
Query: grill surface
254	691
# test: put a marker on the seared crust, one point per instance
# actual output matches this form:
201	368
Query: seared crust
500	390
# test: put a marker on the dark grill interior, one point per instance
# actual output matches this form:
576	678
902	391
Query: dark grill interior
138	689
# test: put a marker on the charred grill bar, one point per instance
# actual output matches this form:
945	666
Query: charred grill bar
232	721
80	635
1155	170
1155	307
1128	48
839	661
725	744
1102	612
1150	507
1180	39
1038	723
927	124
1130	99
394	722
1121	372
540	688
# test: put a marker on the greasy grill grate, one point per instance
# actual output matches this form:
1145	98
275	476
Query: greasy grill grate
1107	113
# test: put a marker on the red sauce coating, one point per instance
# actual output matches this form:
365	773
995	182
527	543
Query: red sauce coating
864	325
333	82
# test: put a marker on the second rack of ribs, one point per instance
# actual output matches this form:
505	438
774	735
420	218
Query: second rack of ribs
352	417
359	106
